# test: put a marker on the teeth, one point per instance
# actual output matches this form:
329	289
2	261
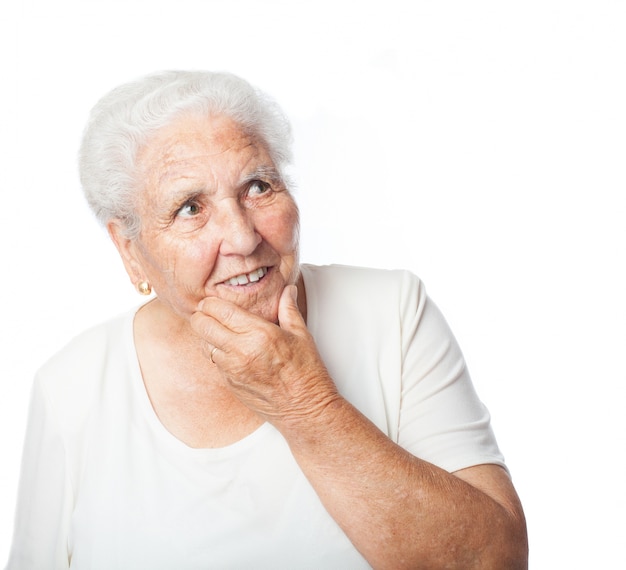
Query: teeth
255	276
251	277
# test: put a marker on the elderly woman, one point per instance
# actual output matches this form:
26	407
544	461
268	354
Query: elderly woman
254	412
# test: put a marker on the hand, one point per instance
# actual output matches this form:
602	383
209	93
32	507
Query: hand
275	370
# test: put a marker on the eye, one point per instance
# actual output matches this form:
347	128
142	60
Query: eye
258	188
189	209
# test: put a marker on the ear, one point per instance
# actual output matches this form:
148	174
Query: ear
127	250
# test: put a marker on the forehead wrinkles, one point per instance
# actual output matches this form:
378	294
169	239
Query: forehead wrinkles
211	135
194	157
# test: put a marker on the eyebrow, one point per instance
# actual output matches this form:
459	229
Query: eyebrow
267	173
263	173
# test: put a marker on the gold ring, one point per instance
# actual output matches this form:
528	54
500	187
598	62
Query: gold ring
212	353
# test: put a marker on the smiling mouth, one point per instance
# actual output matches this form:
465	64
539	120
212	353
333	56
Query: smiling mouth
247	278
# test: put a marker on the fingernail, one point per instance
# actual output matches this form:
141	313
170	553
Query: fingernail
294	293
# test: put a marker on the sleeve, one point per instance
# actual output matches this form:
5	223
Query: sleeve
42	516
441	419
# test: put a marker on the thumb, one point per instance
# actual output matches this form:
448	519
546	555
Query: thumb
289	317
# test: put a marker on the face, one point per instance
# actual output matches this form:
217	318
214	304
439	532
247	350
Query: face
216	219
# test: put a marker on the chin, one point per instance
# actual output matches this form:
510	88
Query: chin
267	312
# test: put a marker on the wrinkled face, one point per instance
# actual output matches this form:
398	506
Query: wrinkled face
216	219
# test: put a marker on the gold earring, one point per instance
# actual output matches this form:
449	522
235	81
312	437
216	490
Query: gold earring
144	287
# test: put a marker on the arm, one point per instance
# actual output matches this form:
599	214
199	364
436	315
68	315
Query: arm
397	510
401	512
40	534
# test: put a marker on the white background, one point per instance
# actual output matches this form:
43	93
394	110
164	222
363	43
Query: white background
480	144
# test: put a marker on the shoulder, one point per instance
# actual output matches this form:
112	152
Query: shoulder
70	378
361	319
381	297
363	283
88	349
353	273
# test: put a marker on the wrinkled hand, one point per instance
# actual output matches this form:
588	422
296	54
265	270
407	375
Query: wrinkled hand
275	370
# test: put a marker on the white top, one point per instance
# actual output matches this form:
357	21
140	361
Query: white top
105	486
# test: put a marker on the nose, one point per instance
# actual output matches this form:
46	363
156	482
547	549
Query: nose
238	235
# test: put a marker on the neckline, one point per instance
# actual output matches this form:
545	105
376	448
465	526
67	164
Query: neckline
157	429
148	413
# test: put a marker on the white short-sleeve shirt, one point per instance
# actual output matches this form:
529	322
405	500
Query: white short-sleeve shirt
105	486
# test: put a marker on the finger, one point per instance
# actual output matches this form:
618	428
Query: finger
211	330
233	317
212	354
289	317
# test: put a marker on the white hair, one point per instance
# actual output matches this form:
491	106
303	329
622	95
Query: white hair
124	119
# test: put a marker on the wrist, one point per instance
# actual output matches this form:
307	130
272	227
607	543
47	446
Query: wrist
319	423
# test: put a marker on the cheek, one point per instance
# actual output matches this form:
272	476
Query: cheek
183	263
285	229
281	228
194	263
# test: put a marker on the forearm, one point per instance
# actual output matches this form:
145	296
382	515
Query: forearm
399	511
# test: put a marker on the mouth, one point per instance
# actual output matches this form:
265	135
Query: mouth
247	278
